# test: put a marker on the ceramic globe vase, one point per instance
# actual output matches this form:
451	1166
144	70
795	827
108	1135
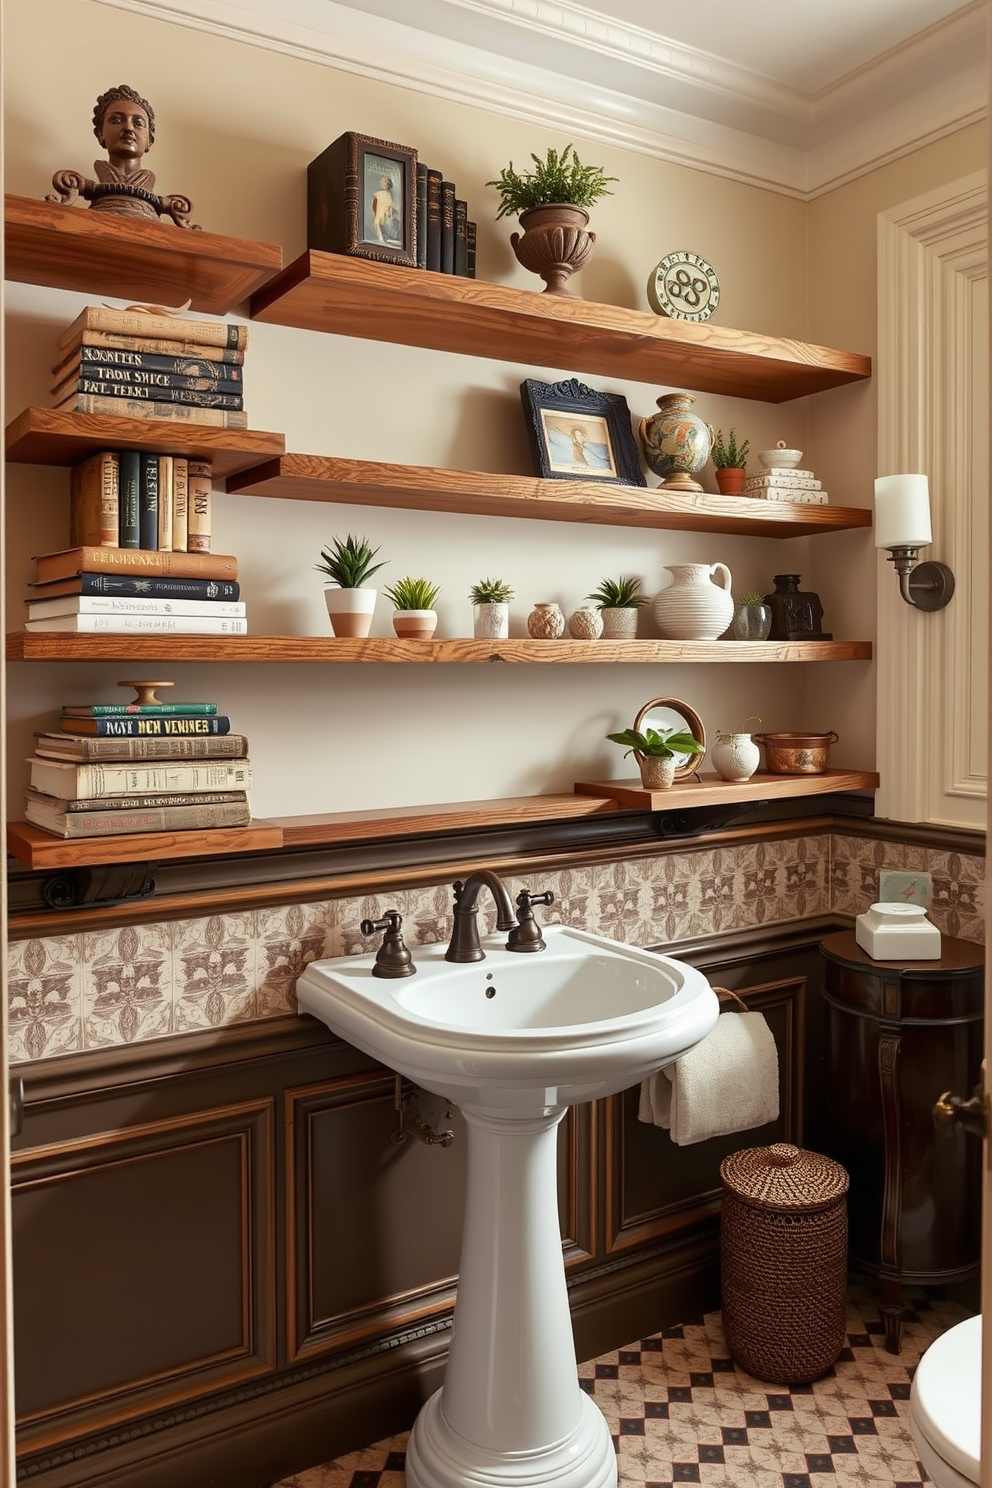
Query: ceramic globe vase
676	442
693	607
546	621
735	756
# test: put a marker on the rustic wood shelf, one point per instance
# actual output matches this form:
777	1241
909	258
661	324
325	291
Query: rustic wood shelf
427	488
48	436
415	821
61	646
384	302
41	850
128	258
709	790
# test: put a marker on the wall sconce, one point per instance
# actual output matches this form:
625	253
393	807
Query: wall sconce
902	524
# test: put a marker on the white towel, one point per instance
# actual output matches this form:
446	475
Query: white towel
727	1083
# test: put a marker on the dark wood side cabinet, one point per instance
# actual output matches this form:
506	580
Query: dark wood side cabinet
898	1036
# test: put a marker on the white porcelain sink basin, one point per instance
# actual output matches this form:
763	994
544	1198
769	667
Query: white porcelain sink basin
582	1019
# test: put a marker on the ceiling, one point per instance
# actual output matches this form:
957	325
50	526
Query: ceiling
795	95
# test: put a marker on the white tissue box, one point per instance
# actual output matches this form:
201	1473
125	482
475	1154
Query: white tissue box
897	932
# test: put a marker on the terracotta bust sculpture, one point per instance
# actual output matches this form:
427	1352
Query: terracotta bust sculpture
124	123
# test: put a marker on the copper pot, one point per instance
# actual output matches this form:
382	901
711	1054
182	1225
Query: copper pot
796	754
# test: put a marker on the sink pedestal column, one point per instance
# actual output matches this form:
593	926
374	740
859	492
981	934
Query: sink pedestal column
511	1412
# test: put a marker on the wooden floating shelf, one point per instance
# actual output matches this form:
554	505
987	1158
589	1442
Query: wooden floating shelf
62	646
48	436
41	850
384	302
129	258
426	488
709	790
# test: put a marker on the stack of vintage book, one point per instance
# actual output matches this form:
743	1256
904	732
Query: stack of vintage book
445	238
139	499
781	483
144	766
152	366
125	591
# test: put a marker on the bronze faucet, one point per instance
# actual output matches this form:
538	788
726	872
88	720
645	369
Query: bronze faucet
464	945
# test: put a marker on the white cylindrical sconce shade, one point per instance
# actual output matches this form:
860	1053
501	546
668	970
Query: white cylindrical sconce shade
902	511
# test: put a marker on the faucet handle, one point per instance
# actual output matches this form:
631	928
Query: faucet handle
526	934
393	958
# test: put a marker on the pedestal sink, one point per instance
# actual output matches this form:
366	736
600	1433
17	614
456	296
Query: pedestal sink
514	1040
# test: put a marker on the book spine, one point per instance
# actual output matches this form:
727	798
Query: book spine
148	503
471	239
129	476
152	410
180	504
136	802
461	239
78	376
434	220
119	586
93	560
139	625
77	781
94	501
108	360
447	227
141	604
129	392
120	751
162	819
142	726
165	499
200	506
140	710
149	345
162	327
421	216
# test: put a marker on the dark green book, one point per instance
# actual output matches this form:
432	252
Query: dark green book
461	238
130	482
148	503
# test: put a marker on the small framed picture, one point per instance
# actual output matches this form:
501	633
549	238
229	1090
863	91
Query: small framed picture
362	200
577	433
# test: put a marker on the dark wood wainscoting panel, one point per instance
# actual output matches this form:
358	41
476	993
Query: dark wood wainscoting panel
653	1187
145	1268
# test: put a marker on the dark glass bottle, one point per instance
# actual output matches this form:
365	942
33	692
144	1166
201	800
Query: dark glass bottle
797	615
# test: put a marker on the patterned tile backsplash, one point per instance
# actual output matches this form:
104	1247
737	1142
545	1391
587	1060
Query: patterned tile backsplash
105	988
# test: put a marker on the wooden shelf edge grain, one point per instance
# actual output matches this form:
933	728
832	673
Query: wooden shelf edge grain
128	258
709	790
62	646
469	492
412	307
40	850
413	821
50	436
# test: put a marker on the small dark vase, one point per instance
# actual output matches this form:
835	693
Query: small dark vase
797	615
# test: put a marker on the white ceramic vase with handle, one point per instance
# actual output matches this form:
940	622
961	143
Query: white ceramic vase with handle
694	607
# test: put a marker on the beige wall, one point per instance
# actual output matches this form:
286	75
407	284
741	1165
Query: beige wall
237	127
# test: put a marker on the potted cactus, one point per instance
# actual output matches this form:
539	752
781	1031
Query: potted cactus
491	599
348	563
618	601
414	616
730	462
552	202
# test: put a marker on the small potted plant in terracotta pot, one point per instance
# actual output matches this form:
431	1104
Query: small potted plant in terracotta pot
658	753
413	600
730	463
618	601
491	598
552	202
348	564
735	756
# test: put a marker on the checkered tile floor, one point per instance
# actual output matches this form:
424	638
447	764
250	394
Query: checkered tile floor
681	1412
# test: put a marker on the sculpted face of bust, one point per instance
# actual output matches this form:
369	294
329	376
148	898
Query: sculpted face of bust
124	123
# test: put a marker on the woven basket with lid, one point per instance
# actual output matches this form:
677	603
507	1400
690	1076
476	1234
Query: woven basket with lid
784	1262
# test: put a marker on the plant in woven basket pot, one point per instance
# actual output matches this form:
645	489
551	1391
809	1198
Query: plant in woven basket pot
618	601
552	203
349	565
730	462
735	755
658	753
413	600
491	601
752	617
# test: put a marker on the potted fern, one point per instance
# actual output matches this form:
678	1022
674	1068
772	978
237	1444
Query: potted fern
618	601
552	203
658	752
730	462
413	600
491	599
348	563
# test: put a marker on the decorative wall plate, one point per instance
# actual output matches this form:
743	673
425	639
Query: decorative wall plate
684	286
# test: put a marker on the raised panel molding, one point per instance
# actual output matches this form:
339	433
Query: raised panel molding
932	256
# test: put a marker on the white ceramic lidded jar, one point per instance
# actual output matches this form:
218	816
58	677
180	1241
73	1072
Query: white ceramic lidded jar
693	607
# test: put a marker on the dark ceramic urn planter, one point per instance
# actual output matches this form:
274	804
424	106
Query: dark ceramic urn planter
554	243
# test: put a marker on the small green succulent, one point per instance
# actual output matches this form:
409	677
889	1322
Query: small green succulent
556	178
659	744
348	563
618	594
490	591
751	598
730	455
413	594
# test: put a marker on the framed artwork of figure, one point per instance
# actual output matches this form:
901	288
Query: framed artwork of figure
362	200
577	433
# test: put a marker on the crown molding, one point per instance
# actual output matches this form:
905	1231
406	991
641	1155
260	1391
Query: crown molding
729	121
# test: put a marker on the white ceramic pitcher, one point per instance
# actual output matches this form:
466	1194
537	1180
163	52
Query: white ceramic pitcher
694	607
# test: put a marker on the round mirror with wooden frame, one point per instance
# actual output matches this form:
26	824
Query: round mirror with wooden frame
672	713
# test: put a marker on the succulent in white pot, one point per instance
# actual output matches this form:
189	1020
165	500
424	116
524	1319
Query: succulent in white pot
491	601
735	756
618	601
348	563
413	600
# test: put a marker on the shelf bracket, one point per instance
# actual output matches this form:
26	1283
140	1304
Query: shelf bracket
694	821
105	883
